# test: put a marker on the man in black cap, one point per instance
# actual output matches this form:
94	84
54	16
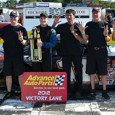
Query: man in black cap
48	41
97	33
15	38
14	13
44	14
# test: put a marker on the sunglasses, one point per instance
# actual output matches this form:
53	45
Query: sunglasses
13	16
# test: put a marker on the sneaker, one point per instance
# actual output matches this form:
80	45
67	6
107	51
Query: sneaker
105	95
69	96
19	95
78	96
92	95
8	95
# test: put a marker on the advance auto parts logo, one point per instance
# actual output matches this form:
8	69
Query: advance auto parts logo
56	80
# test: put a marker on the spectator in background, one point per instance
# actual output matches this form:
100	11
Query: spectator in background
2	18
20	18
113	26
109	19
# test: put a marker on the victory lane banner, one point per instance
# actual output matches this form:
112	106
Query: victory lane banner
44	87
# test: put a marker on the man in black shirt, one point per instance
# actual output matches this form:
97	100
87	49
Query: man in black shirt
48	41
97	33
71	50
15	37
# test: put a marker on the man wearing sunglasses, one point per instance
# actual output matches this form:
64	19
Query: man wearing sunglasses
15	38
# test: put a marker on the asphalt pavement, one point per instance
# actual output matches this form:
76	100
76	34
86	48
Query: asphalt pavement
71	107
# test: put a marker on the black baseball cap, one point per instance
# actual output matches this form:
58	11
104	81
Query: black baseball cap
14	13
44	14
95	9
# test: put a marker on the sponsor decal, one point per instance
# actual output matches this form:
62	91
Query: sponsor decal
111	72
44	87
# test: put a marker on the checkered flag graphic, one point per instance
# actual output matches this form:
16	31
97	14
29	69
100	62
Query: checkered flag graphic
57	12
59	80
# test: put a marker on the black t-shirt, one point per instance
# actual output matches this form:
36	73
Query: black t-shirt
94	31
45	35
69	44
12	46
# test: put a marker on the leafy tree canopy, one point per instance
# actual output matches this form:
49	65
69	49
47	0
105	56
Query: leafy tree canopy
12	3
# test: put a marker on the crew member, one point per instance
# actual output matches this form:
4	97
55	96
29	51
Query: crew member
71	51
97	34
15	38
48	41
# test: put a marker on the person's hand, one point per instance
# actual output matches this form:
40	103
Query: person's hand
81	27
105	32
56	20
20	36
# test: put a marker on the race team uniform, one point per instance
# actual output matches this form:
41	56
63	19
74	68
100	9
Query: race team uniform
13	50
48	38
71	52
96	49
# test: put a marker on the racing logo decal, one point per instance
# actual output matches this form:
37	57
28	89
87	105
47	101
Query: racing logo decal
59	80
57	12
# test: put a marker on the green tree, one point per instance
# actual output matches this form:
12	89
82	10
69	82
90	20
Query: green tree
96	2
3	4
52	0
113	5
25	1
62	1
11	3
105	4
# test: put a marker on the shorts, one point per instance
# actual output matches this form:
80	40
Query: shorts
13	66
96	62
